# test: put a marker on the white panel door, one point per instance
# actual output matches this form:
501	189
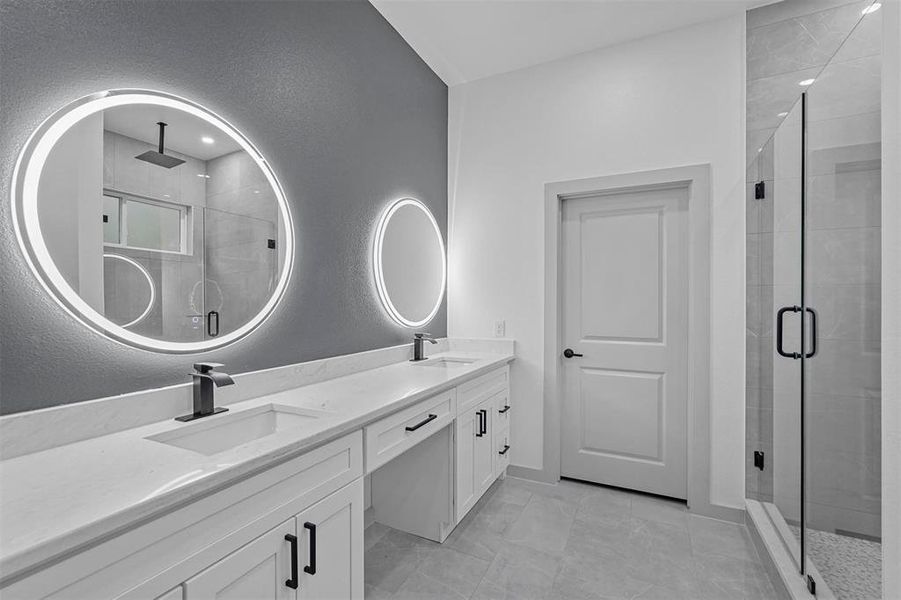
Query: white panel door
625	311
330	534
257	571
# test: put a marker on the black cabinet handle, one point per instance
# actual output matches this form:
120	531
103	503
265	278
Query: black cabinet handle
427	420
209	323
292	539
484	421
311	568
505	409
780	317
481	415
504	451
568	353
813	333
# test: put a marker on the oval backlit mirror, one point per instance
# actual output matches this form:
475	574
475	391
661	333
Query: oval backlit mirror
153	221
409	262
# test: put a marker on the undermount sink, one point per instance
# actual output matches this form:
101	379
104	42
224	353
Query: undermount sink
230	430
446	362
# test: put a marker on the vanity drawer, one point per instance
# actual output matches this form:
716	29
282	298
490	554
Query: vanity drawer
473	392
396	433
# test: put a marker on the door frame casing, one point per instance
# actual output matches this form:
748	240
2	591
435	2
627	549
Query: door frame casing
696	178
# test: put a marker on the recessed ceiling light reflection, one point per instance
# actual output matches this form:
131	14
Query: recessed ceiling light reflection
782	114
207	139
806	82
871	8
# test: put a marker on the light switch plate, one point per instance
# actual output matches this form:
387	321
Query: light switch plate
500	328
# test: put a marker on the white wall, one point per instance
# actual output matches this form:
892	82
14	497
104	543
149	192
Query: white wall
71	210
891	299
669	100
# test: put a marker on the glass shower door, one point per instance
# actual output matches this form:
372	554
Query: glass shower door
842	273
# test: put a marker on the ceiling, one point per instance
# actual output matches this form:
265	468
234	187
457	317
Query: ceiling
465	40
183	131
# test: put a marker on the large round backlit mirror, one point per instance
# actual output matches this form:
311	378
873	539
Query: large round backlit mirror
153	221
409	261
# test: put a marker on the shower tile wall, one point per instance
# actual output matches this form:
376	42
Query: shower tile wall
788	42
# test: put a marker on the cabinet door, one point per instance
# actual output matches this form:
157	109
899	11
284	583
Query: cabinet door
330	534
466	429
258	570
483	462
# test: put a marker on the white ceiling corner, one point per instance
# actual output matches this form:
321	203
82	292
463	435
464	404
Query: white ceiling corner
465	40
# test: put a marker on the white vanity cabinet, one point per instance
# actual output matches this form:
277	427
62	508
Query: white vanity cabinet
317	555
258	570
475	455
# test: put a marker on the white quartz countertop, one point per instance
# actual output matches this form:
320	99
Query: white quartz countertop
61	499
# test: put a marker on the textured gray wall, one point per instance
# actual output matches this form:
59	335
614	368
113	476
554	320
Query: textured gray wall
346	113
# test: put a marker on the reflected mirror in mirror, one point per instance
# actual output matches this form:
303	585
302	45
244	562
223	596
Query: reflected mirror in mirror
153	221
409	261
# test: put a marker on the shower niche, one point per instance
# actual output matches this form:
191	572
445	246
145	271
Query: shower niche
153	221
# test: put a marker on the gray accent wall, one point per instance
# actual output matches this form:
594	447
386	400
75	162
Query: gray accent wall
346	113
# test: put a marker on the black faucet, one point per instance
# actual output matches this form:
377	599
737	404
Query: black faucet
206	378
418	338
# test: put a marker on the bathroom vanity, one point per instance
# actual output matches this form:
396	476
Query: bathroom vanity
268	496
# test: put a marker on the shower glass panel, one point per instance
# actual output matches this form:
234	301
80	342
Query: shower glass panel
241	266
818	376
842	265
781	278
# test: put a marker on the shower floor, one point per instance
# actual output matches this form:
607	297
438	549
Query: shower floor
851	566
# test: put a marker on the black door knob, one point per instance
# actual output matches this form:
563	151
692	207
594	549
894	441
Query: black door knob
568	353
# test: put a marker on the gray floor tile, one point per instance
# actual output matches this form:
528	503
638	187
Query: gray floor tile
461	572
543	525
572	541
422	587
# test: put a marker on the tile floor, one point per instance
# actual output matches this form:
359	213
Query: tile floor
571	541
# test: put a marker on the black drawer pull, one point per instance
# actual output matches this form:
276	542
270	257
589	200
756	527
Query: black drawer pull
504	451
311	568
292	539
505	409
479	433
427	420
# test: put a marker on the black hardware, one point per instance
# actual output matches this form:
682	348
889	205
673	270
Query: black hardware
292	583
484	421
479	433
505	409
759	190
209	323
813	332
418	339
270	243
504	451
206	378
779	318
311	568
106	218
427	420
568	353
811	585
758	459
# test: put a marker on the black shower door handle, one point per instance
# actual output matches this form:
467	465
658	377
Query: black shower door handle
209	323
780	317
813	332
